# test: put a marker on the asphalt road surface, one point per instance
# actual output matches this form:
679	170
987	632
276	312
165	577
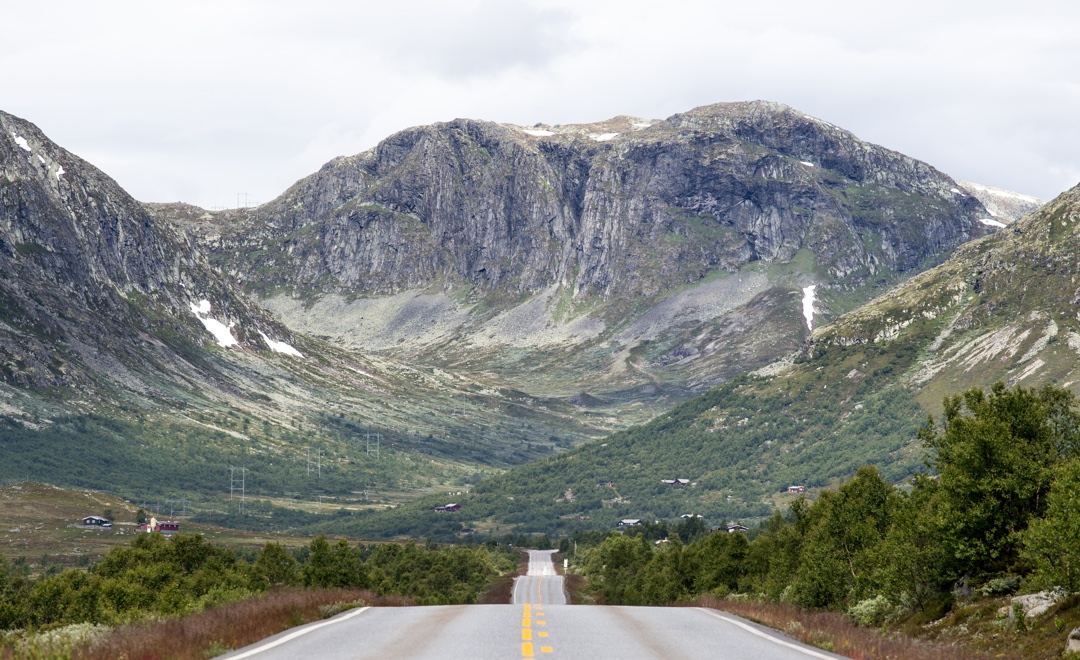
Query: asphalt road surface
538	625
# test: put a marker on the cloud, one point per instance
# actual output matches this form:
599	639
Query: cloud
483	40
206	99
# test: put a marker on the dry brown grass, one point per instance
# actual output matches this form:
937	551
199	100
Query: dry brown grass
501	591
231	626
834	632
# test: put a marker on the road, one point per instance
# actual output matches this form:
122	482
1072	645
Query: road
538	625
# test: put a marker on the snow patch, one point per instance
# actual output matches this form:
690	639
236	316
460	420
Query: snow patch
990	222
21	141
955	191
42	159
602	137
638	127
280	346
59	172
537	132
1000	192
808	305
222	333
807	163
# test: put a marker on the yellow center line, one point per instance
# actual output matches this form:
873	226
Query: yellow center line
527	649
542	634
526	634
545	649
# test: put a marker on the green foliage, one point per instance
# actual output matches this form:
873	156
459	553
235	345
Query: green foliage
334	566
844	529
996	455
873	612
159	576
879	552
277	566
911	563
1052	544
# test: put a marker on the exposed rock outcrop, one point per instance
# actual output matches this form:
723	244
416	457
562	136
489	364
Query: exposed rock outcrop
602	210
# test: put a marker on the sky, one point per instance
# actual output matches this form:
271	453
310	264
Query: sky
223	103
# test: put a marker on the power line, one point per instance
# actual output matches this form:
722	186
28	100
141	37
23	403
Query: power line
238	484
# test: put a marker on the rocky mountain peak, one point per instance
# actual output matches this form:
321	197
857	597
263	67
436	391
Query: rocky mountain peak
625	205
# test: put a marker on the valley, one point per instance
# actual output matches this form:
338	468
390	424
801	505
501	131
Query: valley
489	303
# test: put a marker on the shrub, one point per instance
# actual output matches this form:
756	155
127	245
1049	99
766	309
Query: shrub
873	612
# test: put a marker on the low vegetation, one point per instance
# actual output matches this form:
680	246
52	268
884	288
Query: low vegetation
170	579
741	445
1002	514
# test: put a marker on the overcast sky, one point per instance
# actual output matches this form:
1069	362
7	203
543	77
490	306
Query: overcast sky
197	101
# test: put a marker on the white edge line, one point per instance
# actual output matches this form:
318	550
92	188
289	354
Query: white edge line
757	632
294	635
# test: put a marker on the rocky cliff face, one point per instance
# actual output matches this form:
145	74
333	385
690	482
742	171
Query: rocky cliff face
624	207
93	287
624	254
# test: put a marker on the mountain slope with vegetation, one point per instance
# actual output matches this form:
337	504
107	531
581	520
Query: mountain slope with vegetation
622	263
465	297
1004	308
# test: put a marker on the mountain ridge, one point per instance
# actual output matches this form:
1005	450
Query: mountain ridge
480	295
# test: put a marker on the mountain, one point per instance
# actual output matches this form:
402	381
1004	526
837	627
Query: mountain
478	294
631	262
125	354
1002	308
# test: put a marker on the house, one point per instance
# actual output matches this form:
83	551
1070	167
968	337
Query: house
606	484
796	489
675	482
691	515
736	527
453	506
629	522
166	527
96	521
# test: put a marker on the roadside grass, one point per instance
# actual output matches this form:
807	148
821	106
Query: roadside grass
836	633
205	634
501	591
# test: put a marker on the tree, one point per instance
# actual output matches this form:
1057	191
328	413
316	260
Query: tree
277	567
996	455
846	526
1052	543
336	566
909	566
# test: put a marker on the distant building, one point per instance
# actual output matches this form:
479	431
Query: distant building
796	489
453	506
629	522
736	527
691	515
166	527
606	484
96	521
675	482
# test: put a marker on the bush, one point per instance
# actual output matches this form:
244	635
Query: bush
874	612
1005	585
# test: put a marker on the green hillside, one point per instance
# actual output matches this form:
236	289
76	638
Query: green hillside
1004	308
